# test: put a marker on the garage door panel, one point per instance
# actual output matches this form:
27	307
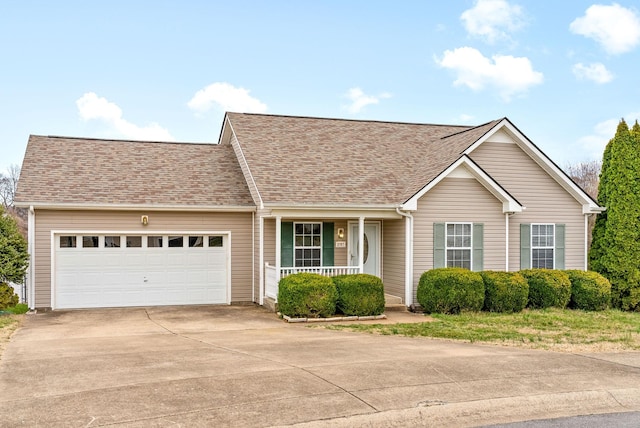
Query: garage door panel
125	276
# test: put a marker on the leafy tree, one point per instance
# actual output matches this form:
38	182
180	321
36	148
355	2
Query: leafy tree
615	250
14	257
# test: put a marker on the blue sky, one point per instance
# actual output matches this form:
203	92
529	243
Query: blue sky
564	72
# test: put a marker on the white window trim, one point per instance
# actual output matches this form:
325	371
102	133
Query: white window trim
553	247
446	243
295	247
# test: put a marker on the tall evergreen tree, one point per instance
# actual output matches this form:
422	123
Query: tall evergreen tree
14	258
615	250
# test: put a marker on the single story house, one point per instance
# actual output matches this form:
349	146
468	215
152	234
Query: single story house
136	223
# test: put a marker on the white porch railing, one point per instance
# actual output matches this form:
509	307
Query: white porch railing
272	278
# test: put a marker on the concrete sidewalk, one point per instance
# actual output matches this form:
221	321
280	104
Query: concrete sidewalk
241	366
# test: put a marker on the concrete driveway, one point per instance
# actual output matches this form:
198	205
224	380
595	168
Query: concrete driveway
241	366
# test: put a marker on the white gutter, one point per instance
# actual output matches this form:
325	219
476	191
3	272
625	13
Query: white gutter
408	257
31	233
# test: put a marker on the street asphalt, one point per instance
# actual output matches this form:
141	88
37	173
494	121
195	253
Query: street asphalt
241	366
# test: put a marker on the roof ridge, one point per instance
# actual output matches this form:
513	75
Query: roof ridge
472	128
121	140
348	120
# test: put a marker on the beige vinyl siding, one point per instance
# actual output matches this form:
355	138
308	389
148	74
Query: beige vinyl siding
393	260
458	200
545	200
239	224
270	241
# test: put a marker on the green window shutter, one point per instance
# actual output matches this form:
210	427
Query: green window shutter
438	245
525	246
327	244
559	250
286	244
478	247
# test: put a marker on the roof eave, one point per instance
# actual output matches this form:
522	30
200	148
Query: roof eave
134	207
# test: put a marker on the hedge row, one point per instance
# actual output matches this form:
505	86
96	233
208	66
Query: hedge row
446	290
453	290
309	295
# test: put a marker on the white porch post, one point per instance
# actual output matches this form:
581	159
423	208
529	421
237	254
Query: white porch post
506	239
278	244
361	244
261	259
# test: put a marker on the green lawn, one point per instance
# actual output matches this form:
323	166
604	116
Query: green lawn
555	329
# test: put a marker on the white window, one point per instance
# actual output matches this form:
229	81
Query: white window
308	244
542	246
458	245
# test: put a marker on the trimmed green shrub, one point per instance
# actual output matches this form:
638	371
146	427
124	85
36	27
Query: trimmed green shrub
8	297
547	288
450	290
590	291
307	295
505	291
359	294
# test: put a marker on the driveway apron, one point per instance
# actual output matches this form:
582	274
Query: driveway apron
242	366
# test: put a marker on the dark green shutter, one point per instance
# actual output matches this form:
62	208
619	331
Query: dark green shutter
559	250
327	244
478	247
525	246
438	245
286	244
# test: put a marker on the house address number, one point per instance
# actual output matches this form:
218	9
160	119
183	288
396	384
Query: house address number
341	244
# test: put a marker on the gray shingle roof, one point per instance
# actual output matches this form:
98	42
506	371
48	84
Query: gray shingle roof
300	160
64	170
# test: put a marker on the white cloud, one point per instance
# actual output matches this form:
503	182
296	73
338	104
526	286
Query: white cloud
92	107
508	75
596	72
614	27
595	143
359	99
493	20
226	97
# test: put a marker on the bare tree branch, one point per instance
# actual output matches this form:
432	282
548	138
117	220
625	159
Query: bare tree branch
586	175
9	185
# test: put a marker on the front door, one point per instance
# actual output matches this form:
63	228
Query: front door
371	247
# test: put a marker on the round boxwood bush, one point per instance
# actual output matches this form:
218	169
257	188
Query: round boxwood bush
547	288
359	294
505	291
8	297
450	290
307	295
590	291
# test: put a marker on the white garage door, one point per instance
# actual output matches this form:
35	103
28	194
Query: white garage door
114	270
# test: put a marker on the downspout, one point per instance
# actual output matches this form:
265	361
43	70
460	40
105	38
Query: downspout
253	256
408	257
586	240
31	233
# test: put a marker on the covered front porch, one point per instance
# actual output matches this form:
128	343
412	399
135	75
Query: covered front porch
329	244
